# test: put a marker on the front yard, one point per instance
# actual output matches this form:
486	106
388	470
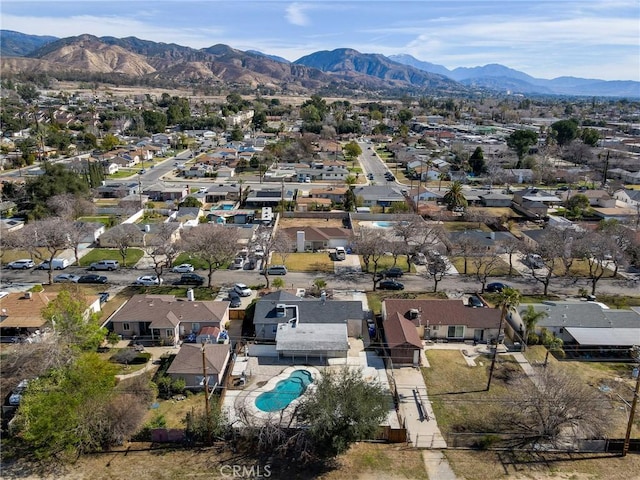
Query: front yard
97	254
305	262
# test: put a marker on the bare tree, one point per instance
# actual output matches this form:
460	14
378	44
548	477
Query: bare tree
70	206
595	248
437	268
511	246
44	239
270	242
76	235
123	236
371	244
213	244
550	254
162	247
555	408
465	248
484	267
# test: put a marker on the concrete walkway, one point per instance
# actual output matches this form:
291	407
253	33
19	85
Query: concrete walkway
437	466
416	410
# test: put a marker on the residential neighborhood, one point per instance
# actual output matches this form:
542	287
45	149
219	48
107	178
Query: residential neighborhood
249	266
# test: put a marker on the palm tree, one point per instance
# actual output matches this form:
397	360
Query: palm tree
508	299
530	318
442	176
455	197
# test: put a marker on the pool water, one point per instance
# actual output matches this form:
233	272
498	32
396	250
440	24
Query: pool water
382	224
285	391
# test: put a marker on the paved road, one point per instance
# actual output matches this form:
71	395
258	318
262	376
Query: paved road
346	279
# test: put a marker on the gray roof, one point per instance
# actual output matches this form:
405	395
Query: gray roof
622	337
311	337
481	238
586	315
379	192
309	310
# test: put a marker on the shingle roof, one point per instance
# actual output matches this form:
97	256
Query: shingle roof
309	311
399	331
189	359
169	309
444	312
585	314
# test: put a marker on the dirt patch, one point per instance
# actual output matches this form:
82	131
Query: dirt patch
310	222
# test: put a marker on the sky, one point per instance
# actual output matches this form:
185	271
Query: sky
543	38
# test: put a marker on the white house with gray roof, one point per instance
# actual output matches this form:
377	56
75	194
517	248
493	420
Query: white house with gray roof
588	329
282	307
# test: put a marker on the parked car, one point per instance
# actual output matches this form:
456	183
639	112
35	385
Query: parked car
66	278
419	259
234	300
190	279
16	394
183	268
105	265
92	278
277	270
242	290
370	176
475	302
148	280
58	264
390	285
22	264
237	264
534	260
496	287
393	272
104	297
250	264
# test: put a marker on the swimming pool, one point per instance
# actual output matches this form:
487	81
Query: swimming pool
382	224
285	391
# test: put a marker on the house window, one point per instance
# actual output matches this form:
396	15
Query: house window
455	331
169	333
126	326
435	327
195	327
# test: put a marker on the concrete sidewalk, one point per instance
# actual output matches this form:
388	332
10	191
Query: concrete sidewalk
416	410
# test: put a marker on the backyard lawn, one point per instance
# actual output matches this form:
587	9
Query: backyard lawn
104	219
97	254
465	226
457	391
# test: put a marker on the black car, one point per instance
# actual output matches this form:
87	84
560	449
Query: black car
190	279
393	272
390	285
234	299
496	287
92	278
475	302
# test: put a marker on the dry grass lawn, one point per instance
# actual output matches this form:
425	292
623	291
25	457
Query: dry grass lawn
305	262
474	465
364	461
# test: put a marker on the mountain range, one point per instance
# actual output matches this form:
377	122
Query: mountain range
343	69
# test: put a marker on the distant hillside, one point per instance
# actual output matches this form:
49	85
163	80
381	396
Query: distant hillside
272	57
352	64
499	78
348	71
16	44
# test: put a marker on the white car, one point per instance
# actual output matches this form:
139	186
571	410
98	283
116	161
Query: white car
66	278
148	280
242	290
22	264
184	268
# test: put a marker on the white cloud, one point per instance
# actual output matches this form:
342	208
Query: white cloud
296	15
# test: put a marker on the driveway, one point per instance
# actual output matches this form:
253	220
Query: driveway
351	264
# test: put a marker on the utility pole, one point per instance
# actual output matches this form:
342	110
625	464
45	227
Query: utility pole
206	394
635	352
